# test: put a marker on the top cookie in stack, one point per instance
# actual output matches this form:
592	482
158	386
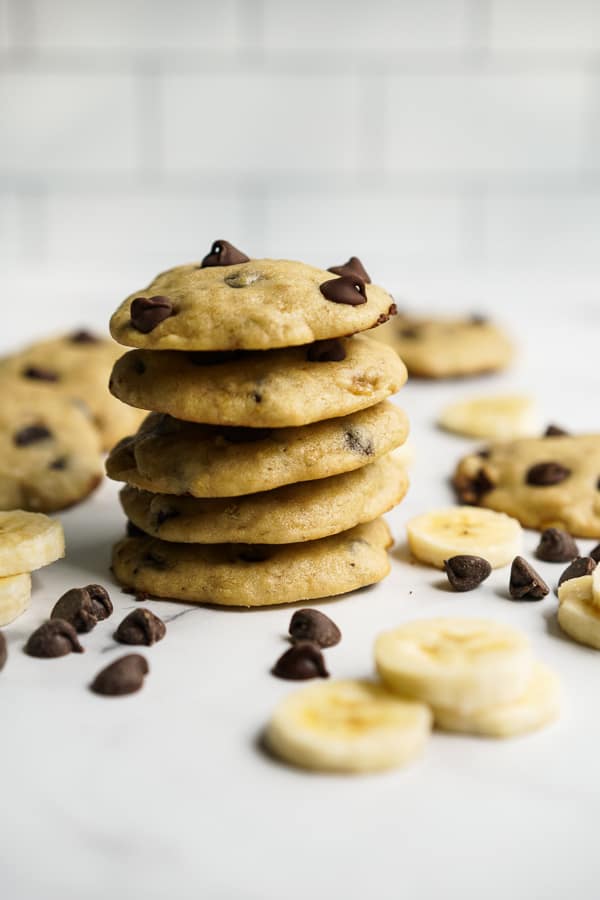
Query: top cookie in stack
263	477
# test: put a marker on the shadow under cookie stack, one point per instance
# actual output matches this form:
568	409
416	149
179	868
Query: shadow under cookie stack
262	472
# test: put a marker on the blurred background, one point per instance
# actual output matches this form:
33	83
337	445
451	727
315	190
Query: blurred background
454	145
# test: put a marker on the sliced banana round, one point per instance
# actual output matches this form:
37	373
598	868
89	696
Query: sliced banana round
537	706
503	416
348	726
15	596
578	615
458	530
28	541
457	663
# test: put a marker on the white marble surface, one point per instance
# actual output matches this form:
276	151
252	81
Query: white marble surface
166	794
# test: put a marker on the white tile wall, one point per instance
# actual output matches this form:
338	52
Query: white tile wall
424	135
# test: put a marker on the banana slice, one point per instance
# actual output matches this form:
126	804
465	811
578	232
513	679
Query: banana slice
15	596
536	707
28	541
348	726
457	530
459	664
502	416
578	615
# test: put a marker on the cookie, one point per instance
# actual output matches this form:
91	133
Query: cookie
49	449
78	365
278	388
548	482
167	456
255	304
296	512
444	347
254	575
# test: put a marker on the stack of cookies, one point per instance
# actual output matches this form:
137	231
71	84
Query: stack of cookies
263	469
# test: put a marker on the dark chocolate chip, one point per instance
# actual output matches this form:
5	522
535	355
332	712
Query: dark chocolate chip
83	337
139	366
83	607
133	530
37	373
302	661
595	553
244	435
525	583
222	253
257	396
314	626
358	442
545	474
555	431
54	638
348	289
465	573
31	434
326	351
556	546
140	627
59	464
124	676
352	267
148	312
583	565
3	651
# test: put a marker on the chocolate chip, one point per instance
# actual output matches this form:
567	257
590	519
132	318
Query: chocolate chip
314	626
257	396
583	565
83	337
471	488
124	676
556	546
140	627
139	366
326	351
222	253
465	573
54	638
238	435
545	474
352	267
525	583
37	373
59	464
133	530
303	660
348	289
3	651
155	561
555	431
595	553
31	434
358	442
83	607
148	312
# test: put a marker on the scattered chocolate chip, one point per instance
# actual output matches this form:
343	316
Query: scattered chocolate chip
303	660
83	607
556	546
545	474
348	289
384	317
595	553
134	531
465	573
31	434
525	583
555	431
138	366
213	357
326	351
314	626
3	651
471	488
124	676
257	396
583	565
148	312
358	442
353	267
54	638
140	627
222	253
83	337
59	464
37	373
238	435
